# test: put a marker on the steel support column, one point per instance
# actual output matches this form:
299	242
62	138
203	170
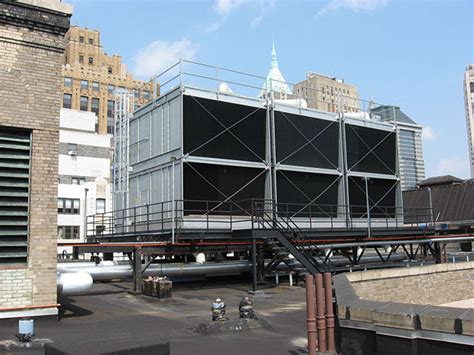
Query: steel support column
137	270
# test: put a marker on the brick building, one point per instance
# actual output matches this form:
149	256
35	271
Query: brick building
31	55
90	78
321	93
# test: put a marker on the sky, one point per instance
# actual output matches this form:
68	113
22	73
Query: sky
408	53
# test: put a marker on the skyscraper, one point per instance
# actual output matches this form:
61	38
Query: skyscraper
469	105
410	147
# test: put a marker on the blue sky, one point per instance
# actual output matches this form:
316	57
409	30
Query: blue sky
411	53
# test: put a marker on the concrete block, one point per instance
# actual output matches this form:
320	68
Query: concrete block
440	319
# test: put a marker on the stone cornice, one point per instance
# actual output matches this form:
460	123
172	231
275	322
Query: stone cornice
34	17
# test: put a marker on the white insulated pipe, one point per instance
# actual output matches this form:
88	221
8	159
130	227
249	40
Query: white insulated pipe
108	272
73	282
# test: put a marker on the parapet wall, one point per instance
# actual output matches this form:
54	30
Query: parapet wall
433	284
398	311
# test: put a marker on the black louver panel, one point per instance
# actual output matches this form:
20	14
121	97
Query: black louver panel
14	193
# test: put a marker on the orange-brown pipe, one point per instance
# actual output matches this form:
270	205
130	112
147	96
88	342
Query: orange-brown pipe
311	315
329	312
320	318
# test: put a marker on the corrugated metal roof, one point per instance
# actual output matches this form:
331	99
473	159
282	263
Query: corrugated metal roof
451	203
440	180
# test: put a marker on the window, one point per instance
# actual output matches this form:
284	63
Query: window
78	180
84	84
68	232
81	59
67	82
136	94
67	99
14	197
81	39
100	205
71	147
95	105
111	89
110	108
146	95
68	205
91	60
109	70
95	86
110	125
91	40
84	103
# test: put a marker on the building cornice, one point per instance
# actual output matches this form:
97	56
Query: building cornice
34	17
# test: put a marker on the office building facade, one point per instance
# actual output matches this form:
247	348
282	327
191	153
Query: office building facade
91	78
321	93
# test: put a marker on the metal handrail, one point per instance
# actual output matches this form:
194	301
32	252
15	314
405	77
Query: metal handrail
158	217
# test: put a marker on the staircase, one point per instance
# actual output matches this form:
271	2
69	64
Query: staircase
290	239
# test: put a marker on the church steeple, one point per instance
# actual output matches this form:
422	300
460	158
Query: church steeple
274	57
275	82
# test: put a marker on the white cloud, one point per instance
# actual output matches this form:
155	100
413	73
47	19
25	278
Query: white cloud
213	26
354	5
429	134
159	55
457	167
224	7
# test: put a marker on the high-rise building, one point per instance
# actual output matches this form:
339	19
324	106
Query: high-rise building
469	104
321	93
410	147
31	55
91	77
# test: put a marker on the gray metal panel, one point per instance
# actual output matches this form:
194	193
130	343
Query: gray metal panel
134	125
157	131
144	138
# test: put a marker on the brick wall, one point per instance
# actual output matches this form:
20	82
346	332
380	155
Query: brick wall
433	284
30	97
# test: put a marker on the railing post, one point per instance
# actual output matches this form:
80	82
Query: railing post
332	222
254	264
135	219
207	215
162	217
252	213
230	211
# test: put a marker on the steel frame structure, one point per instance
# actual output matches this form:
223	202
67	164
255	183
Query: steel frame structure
270	166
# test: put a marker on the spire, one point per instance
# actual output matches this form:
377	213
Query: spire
274	56
275	81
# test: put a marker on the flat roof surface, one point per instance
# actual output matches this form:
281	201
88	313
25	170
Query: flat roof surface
110	319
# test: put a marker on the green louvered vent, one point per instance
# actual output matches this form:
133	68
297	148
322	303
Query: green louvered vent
14	194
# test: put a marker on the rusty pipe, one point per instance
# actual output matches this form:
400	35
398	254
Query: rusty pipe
331	342
311	315
320	318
